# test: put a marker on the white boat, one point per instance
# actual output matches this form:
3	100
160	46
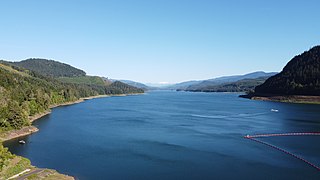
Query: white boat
22	142
274	110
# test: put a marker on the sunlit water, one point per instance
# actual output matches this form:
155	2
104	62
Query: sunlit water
174	135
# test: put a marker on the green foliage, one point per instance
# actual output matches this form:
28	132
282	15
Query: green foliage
301	76
24	96
14	169
90	80
50	68
17	117
28	94
121	88
5	156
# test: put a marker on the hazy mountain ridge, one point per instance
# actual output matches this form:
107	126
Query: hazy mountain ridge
243	85
135	84
255	78
211	85
182	85
227	79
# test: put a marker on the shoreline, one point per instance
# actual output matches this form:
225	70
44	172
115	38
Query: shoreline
14	134
27	130
297	99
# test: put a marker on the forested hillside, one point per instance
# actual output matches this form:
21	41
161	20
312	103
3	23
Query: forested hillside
89	80
49	68
118	87
24	93
301	76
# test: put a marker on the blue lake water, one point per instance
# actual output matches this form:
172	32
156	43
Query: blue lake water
174	135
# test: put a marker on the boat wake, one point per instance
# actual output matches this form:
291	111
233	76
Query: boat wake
230	116
210	117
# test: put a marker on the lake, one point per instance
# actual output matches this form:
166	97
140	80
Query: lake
175	135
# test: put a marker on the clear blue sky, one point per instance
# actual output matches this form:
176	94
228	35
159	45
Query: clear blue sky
160	40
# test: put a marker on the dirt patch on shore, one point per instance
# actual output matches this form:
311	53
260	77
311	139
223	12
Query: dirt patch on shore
18	133
290	99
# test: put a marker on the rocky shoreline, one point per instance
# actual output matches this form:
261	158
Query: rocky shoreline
284	98
13	134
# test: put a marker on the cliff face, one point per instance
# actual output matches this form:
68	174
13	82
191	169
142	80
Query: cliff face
301	76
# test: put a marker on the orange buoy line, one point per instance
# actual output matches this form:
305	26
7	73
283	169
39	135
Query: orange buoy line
283	150
284	134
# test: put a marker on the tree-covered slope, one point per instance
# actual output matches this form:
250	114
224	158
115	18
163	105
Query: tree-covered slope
24	93
90	80
50	68
118	87
301	76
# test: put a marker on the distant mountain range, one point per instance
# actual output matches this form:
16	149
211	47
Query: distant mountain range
136	84
68	74
181	86
243	85
238	83
222	84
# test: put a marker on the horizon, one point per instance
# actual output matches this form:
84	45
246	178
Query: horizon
153	84
161	42
163	84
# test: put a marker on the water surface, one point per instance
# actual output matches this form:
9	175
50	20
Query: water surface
174	135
